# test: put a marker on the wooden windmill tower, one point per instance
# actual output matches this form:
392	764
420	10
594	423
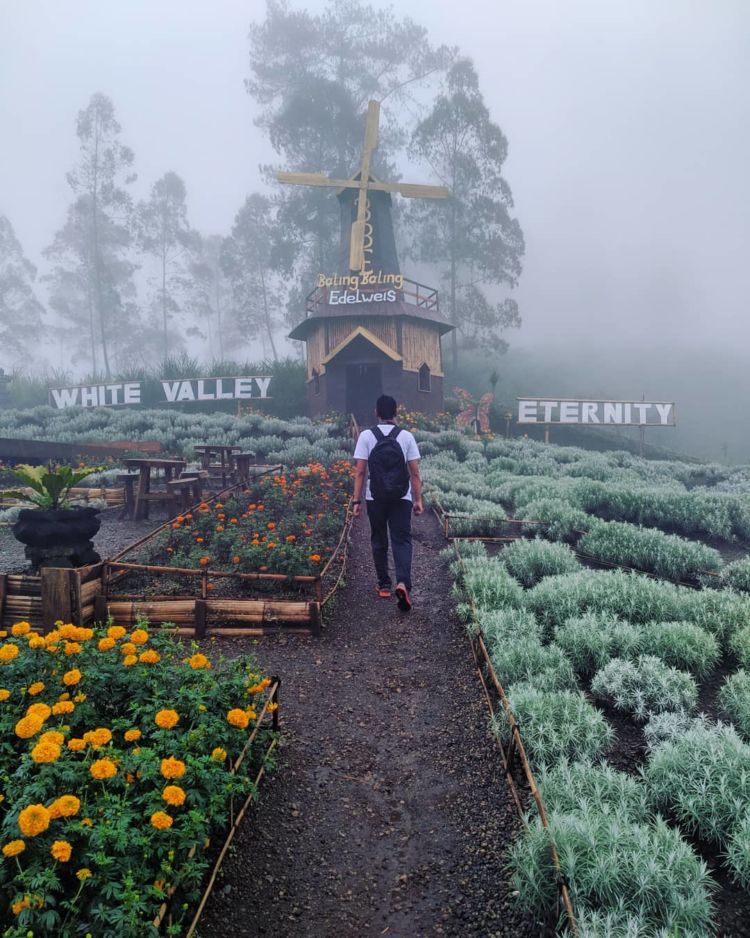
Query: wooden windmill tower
369	330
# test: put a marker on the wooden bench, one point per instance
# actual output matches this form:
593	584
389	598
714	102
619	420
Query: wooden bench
128	480
187	491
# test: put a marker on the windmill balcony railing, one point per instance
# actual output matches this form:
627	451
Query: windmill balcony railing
412	293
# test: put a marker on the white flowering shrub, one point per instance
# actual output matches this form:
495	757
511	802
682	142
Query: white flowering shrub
682	645
644	686
590	641
530	561
571	786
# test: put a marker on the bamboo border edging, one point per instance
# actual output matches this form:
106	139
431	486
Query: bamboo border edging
272	697
516	744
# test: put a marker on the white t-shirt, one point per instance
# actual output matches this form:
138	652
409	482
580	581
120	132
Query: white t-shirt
367	441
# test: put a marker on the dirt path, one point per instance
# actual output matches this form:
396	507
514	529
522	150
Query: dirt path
388	815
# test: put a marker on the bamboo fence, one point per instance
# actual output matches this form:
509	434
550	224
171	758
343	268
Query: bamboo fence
164	920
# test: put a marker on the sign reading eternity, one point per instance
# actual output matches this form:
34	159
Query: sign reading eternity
175	392
616	413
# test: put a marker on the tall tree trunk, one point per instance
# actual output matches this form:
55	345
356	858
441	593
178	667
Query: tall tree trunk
266	315
454	333
164	295
217	296
97	256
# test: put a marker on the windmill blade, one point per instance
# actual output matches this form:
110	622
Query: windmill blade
356	248
413	191
316	179
371	126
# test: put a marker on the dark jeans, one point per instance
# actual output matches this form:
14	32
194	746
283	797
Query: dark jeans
391	515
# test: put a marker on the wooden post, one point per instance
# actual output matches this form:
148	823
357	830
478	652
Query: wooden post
546	433
100	608
74	582
200	618
3	594
316	619
56	596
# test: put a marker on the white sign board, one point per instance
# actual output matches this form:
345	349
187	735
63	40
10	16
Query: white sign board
593	413
175	392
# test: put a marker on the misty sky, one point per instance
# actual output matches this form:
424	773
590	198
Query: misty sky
628	123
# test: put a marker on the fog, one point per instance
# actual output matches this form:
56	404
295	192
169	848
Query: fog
629	130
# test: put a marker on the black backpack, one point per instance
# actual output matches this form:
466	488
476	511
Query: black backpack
389	474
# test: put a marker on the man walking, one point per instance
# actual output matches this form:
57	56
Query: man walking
394	489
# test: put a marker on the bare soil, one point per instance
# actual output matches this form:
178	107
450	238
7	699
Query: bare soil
389	814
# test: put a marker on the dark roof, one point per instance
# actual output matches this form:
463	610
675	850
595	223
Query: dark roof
397	309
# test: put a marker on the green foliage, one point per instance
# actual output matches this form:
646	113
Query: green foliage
644	686
20	310
591	640
525	659
734	698
557	724
530	561
558	520
739	645
663	554
569	787
737	851
737	575
683	645
50	486
701	775
490	585
613	863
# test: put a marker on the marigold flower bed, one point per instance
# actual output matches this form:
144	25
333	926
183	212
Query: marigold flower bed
116	770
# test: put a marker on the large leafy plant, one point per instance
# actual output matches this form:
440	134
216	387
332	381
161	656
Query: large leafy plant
50	487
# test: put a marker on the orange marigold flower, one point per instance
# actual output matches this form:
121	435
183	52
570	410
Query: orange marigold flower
315	558
132	735
219	754
71	677
238	718
199	661
8	652
291	537
129	660
116	632
76	744
166	719
219	528
139	637
33	820
62	707
4	693
13	848
128	648
199	540
272	707
106	644
204	561
39	709
52	736
236	558
149	657
36	688
172	768
61	851
271	525
233	521
98	737
103	768
20	628
36	641
176	526
64	806
161	820
174	795
45	753
28	726
72	648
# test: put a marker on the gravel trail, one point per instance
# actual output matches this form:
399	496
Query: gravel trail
389	814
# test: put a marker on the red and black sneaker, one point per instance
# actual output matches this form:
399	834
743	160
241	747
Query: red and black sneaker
404	600
384	592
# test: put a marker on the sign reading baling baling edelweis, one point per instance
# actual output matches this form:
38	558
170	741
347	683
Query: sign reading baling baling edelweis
181	390
592	413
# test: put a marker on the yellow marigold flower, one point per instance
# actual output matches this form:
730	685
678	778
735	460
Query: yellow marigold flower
36	641
166	719
52	736
36	688
51	638
28	726
172	768
103	768
272	707
128	648
129	660
61	850
64	696
72	648
13	848
45	753
20	905
76	744
20	628
86	821
161	820
98	737
139	637
4	693
83	873
105	644
174	795
8	652
40	710
72	677
149	657
198	662
80	697
62	707
238	718
132	735
64	806
116	632
218	754
255	689
68	630
33	820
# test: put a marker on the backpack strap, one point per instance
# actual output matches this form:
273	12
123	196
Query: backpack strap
377	433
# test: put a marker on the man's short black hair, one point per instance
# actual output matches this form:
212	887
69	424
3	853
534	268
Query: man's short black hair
386	407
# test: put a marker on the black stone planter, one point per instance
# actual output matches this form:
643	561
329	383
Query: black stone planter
60	537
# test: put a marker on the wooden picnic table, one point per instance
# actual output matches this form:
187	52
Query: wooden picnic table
242	462
218	458
138	510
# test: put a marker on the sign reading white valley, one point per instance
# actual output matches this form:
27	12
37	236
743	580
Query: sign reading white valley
175	392
616	413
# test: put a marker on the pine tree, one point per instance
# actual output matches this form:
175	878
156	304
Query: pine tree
20	310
